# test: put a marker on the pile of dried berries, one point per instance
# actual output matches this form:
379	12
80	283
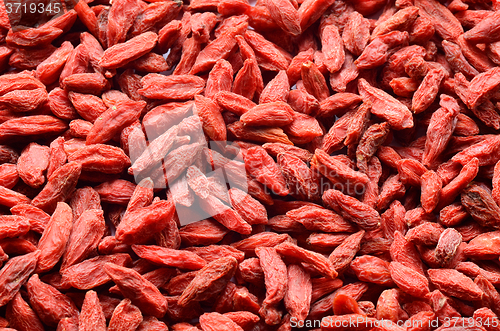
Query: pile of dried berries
217	165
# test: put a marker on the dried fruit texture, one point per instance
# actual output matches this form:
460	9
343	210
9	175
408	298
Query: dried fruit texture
178	87
211	118
427	233
372	269
344	253
233	102
92	83
310	11
261	166
410	170
225	215
246	81
91	316
409	280
405	252
299	290
100	157
303	129
457	61
87	16
11	198
21	317
135	287
142	195
431	187
117	191
220	48
334	139
15	273
209	281
301	180
85	235
90	273
317	261
358	124
216	321
372	139
59	186
264	239
483	246
8	155
356	33
120	19
485	151
32	164
448	245
479	203
55	237
388	306
338	172
13	226
155	152
33	37
142	223
126	316
376	52
481	86
275	274
80	128
49	304
24	101
269	114
320	219
214	252
314	81
446	24
84	199
87	106
260	134
428	90
219	79
251	210
31	126
190	50
114	120
285	15
68	323
455	284
150	323
277	89
332	48
204	232
170	257
385	106
454	187
57	157
401	20
268	54
352	209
